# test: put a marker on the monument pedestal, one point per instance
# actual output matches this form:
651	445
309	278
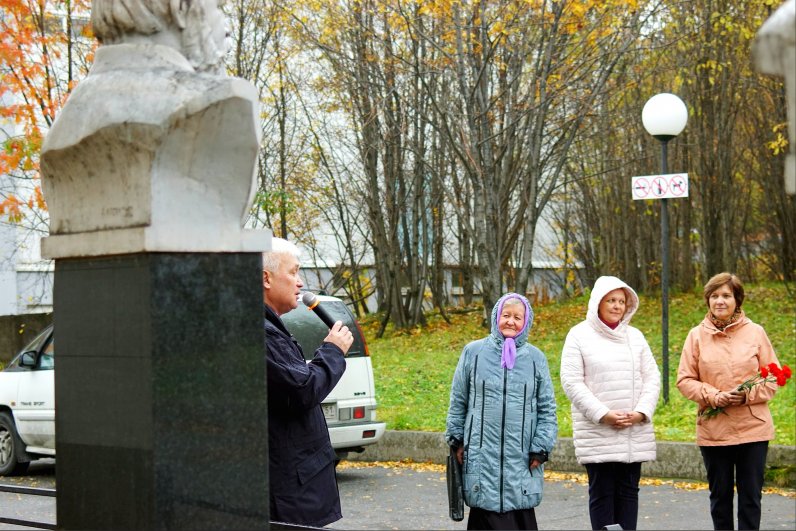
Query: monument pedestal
160	387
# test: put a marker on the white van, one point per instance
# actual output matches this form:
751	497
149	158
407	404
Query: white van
27	399
350	408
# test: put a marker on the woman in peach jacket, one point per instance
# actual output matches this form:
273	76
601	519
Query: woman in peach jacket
719	354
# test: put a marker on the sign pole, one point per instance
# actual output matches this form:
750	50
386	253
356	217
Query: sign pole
665	279
664	117
663	187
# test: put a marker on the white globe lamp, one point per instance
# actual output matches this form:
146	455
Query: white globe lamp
664	116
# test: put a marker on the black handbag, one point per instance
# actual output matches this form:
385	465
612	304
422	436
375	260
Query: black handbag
455	487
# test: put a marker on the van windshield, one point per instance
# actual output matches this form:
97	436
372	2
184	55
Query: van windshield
309	330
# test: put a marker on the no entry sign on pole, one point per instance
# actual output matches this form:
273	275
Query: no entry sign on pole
668	186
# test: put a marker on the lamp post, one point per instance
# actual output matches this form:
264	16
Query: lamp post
664	117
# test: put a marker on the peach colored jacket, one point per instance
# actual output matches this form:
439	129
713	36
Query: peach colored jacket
714	361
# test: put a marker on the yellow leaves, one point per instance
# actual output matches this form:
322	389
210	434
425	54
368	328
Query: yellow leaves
712	68
722	23
498	28
780	142
396	467
436	8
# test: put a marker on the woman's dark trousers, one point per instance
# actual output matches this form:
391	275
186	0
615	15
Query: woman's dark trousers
613	494
742	466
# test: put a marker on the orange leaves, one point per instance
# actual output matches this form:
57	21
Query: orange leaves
37	201
10	207
35	80
20	154
13	208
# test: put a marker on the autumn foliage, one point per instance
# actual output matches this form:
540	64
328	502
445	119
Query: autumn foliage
45	46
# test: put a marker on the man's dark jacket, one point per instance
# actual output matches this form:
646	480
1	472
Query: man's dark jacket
302	481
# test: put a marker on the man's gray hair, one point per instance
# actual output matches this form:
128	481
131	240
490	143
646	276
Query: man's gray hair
271	259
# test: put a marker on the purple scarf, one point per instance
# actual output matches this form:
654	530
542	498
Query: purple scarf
509	354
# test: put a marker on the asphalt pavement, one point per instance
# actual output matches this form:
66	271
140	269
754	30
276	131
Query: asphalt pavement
413	496
380	496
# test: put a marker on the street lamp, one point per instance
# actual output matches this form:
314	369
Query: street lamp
664	117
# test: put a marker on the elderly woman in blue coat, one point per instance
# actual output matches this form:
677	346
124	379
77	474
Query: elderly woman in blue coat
502	420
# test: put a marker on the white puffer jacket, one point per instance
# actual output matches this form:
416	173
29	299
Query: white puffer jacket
604	370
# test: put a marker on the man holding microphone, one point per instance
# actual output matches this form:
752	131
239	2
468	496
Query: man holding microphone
303	485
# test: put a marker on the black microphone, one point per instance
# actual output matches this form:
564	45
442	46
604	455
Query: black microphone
312	303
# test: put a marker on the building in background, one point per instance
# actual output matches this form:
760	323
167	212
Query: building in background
26	280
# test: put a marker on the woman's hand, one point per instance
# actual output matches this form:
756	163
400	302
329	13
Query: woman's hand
460	454
730	398
622	419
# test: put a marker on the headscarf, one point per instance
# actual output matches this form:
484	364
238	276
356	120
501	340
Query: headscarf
509	350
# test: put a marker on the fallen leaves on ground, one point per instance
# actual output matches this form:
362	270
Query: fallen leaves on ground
549	475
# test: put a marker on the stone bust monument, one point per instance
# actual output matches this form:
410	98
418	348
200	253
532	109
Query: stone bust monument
156	148
774	52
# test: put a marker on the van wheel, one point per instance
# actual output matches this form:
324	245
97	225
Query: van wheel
10	445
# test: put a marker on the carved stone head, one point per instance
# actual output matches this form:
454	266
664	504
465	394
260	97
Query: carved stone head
196	28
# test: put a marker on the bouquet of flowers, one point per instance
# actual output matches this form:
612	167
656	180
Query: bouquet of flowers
769	373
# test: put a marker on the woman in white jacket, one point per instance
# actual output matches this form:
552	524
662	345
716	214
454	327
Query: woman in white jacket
610	376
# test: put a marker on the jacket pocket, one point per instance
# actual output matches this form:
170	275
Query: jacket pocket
312	465
472	490
532	489
760	411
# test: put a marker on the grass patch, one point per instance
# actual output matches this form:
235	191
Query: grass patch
414	368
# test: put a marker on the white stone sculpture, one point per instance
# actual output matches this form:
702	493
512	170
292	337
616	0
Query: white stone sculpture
774	52
156	148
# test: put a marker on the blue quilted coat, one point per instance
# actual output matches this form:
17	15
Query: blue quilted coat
501	415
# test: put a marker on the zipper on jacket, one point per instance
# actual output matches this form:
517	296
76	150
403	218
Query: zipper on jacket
481	437
632	394
475	383
469	435
522	432
502	435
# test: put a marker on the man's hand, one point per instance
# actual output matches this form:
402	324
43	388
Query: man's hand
341	336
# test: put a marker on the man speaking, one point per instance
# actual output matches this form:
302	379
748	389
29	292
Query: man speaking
303	485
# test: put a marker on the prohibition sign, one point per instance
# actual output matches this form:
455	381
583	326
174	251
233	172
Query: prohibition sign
672	185
678	185
659	187
641	188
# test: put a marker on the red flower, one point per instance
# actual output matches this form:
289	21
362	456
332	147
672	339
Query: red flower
778	375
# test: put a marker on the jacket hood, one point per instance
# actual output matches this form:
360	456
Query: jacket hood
522	337
602	287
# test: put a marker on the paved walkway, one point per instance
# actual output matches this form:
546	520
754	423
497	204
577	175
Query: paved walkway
400	496
413	496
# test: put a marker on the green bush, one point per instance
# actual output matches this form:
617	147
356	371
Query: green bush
414	368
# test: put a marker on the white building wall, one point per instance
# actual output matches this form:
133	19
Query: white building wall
25	279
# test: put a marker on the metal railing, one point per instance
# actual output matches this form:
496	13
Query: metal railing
28	491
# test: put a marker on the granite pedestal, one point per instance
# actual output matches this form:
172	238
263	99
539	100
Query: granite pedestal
161	393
